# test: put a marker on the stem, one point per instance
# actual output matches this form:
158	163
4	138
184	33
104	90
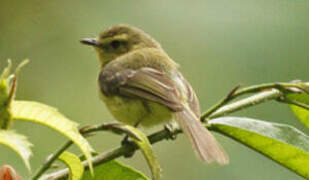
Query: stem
164	134
221	103
51	159
252	89
247	102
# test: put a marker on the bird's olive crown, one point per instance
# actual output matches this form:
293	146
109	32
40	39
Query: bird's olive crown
122	39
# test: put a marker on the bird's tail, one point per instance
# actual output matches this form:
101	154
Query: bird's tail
203	142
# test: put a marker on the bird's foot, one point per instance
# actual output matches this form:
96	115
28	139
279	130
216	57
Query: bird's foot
171	128
126	142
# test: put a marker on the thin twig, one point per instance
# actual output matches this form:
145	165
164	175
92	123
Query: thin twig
49	161
255	99
221	103
235	93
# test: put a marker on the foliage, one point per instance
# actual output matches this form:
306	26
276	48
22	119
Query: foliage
74	163
17	142
143	143
301	112
11	110
282	143
50	117
114	170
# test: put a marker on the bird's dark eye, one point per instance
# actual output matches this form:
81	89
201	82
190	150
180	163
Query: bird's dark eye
115	44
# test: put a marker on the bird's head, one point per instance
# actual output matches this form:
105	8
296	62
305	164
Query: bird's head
119	40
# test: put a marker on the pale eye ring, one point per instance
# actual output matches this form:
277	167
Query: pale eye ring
115	44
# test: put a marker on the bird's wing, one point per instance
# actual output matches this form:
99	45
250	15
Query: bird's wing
145	83
191	97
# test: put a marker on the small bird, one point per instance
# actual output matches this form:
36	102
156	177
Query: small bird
141	85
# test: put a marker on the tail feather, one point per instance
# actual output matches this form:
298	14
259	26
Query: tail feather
203	142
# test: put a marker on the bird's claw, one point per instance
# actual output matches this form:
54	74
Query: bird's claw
126	142
171	129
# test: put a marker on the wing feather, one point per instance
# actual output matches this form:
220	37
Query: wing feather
192	99
145	83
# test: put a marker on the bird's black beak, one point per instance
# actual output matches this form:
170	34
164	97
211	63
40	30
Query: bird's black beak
90	42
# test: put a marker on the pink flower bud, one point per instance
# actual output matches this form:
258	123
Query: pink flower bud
8	173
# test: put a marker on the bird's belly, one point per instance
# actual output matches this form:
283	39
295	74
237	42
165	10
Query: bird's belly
133	110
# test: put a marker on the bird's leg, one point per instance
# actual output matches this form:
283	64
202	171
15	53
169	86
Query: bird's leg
171	128
125	141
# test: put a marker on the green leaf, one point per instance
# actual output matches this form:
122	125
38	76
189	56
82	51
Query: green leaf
114	170
5	114
301	113
142	142
6	72
282	143
49	116
18	143
75	165
5	109
299	97
4	91
8	85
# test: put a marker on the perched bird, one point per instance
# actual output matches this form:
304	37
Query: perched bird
141	85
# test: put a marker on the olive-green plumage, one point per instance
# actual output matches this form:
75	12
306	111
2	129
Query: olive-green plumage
141	85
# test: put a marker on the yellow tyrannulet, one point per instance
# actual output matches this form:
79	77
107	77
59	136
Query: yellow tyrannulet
141	85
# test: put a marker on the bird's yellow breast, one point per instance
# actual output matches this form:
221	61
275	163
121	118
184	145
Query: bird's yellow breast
133	110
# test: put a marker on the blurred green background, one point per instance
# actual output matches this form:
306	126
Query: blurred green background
219	44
